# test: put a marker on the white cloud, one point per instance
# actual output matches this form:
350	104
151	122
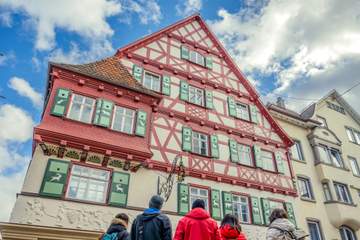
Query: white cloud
7	58
16	129
304	43
147	10
188	7
23	88
5	19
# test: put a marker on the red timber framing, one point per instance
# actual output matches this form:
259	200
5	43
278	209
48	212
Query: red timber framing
229	82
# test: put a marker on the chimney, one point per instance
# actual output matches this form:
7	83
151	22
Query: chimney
280	102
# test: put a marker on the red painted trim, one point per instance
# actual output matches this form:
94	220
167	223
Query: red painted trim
228	60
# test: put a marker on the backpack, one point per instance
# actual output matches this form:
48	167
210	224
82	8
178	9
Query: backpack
285	235
112	236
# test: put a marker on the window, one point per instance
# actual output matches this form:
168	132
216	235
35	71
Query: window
342	193
296	151
347	233
314	230
199	193
330	156
336	157
242	111
196	95
305	188
268	160
353	135
241	208
354	166
81	108
336	107
276	204
322	121
200	143
197	58
152	81
244	153
327	193
88	184
123	120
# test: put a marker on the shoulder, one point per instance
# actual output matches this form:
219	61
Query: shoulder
163	217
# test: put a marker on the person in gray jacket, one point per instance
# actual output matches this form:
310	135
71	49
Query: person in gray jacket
281	228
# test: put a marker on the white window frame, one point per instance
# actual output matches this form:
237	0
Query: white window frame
153	76
329	158
339	193
242	206
353	135
318	229
241	155
197	139
343	231
266	158
82	104
242	111
298	149
196	95
197	58
354	166
124	116
305	188
88	179
198	195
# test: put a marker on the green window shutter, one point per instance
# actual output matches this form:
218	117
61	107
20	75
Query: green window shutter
54	178
290	211
257	155
60	103
185	53
183	199
215	204
184	91
214	146
254	114
227	203
103	112
255	207
166	85
280	162
186	139
265	205
137	72
141	123
234	156
209	62
231	106
209	99
119	189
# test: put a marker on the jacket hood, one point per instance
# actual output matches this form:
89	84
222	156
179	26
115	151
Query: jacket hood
198	213
228	231
150	213
283	224
117	225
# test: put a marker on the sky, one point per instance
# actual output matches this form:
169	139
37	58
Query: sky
297	49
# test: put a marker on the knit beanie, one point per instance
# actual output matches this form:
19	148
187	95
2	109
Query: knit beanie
198	203
156	201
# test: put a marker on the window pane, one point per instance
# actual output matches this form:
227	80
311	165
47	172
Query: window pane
327	193
357	137
342	193
196	95
123	120
152	81
304	188
314	231
199	193
296	152
324	157
336	158
241	208
350	135
244	155
81	108
242	111
268	161
200	143
354	166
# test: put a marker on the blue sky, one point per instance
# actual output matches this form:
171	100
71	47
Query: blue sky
296	49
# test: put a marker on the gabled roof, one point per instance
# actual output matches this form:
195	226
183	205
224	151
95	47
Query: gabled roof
310	110
196	17
109	70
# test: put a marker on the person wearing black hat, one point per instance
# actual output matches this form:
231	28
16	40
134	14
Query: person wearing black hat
152	224
197	224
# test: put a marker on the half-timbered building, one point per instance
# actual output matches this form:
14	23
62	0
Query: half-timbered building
117	131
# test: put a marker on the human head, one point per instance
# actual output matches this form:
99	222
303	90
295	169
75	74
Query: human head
156	201
123	217
232	220
278	213
198	203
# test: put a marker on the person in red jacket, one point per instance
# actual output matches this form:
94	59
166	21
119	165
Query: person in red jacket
231	229
197	224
